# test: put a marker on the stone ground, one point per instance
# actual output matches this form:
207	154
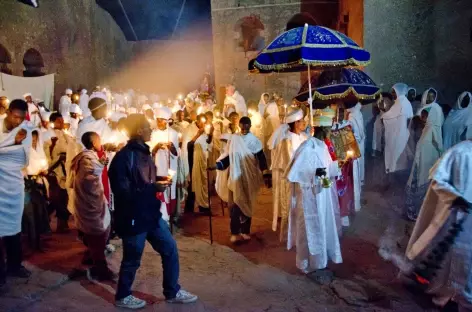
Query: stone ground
257	276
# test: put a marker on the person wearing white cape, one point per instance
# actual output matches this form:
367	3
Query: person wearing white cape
458	124
395	122
83	103
246	163
283	144
15	144
165	150
198	149
312	220
65	102
357	123
449	194
428	150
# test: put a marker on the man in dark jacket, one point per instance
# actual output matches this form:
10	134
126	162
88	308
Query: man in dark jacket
137	216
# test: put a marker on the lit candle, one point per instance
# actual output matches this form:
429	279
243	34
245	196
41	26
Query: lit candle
171	173
44	164
180	136
180	97
108	114
350	154
218	114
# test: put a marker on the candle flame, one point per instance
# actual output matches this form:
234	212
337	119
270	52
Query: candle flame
44	164
171	173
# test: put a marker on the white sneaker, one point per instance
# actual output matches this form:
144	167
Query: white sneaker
130	302
246	237
183	296
234	238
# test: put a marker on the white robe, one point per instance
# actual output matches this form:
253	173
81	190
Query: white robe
357	122
14	158
35	119
164	159
83	104
396	137
188	134
378	134
451	178
245	177
64	105
283	153
240	104
199	171
458	124
312	219
74	125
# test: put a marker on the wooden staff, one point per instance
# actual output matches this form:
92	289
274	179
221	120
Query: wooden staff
209	201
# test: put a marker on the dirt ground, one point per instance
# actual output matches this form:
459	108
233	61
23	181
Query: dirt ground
256	276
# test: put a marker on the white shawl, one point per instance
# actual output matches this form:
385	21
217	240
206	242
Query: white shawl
396	133
245	178
12	192
458	124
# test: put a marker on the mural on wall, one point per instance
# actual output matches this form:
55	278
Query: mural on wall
248	34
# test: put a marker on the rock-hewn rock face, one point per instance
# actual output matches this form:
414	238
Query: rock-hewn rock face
78	40
231	64
421	42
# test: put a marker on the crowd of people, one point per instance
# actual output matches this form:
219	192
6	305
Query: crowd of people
128	165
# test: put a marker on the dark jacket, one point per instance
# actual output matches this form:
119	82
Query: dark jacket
132	177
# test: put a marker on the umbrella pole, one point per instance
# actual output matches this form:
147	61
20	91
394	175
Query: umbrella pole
310	97
209	203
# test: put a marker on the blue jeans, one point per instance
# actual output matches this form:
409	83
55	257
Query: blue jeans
161	241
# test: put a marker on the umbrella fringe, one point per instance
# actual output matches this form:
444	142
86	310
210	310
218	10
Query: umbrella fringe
351	62
339	96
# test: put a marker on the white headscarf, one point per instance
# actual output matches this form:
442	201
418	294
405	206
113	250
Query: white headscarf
401	90
262	104
457	122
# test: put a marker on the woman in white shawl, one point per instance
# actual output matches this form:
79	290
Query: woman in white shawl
428	151
263	103
448	195
35	215
395	121
458	124
357	122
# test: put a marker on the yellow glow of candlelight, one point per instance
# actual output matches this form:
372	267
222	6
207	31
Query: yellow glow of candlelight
218	114
171	173
180	135
109	114
350	153
44	164
180	96
207	128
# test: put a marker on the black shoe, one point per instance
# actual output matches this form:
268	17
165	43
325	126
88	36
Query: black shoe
203	210
20	272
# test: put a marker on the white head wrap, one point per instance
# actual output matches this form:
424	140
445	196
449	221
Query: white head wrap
132	110
116	116
84	91
26	95
69	91
294	115
146	107
121	109
74	108
66	119
163	113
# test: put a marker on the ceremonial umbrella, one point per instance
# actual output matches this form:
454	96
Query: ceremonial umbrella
310	47
347	84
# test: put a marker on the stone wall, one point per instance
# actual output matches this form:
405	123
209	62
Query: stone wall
420	42
231	64
78	40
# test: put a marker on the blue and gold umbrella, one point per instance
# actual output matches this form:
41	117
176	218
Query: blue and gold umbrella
309	48
346	84
316	46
